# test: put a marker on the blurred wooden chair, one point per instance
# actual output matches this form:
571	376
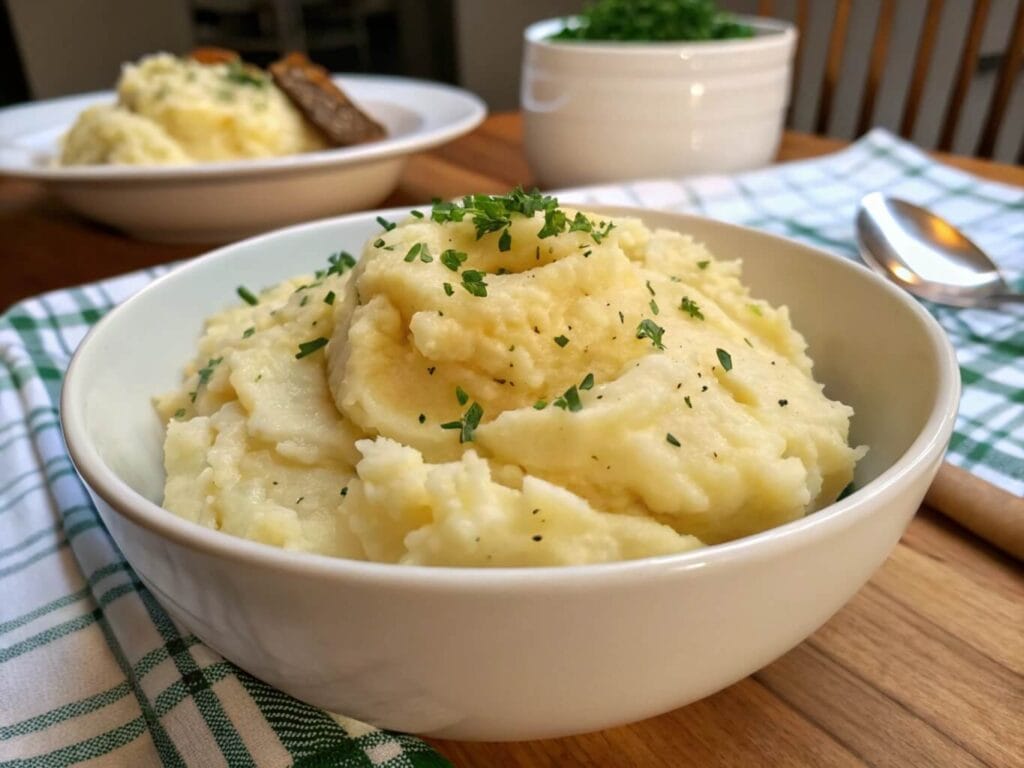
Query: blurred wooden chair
860	58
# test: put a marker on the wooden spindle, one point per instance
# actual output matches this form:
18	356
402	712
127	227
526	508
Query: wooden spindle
965	73
1012	60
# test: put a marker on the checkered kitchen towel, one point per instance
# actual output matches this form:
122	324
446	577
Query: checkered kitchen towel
91	668
816	200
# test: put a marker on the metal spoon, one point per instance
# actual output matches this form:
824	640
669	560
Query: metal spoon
927	255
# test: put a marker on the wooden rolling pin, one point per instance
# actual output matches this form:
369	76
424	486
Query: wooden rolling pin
992	513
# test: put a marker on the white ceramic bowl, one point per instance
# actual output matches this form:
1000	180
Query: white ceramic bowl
515	653
218	202
605	111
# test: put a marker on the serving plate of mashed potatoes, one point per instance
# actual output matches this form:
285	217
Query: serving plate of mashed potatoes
505	469
209	151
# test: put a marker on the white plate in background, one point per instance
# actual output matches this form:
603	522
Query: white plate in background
217	202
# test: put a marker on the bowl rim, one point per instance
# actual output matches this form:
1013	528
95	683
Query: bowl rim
776	33
925	450
475	110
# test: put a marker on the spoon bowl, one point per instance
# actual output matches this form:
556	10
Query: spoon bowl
927	255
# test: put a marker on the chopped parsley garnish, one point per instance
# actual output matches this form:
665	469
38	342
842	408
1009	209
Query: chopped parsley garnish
248	332
467	424
570	400
686	400
755	309
453	259
388	225
540	405
461	396
448	289
691	308
654	20
241	74
180	413
622	318
671	439
309	347
493	213
703	264
204	375
344	491
329	298
537	537
247	296
654	306
417	214
473	282
423	417
378	243
649	289
850	488
414	252
783	403
339	263
724	358
588	382
561	340
648	329
304	301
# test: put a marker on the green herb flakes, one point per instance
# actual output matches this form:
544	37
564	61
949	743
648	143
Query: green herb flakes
561	340
180	413
379	243
686	399
671	439
540	405
329	298
505	240
648	329
423	418
248	332
453	259
654	306
309	347
724	358
473	282
588	382
703	264
448	289
414	252
247	296
691	308
388	225
461	396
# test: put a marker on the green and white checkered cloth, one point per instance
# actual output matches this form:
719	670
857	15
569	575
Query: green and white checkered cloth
815	201
91	668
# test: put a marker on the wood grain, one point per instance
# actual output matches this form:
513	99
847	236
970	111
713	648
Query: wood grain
922	668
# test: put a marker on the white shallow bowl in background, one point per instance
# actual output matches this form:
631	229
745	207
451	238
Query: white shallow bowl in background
597	111
530	652
218	202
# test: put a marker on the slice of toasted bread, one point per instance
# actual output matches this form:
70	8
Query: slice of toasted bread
310	88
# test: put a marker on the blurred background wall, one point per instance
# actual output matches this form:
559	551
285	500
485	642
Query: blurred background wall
54	47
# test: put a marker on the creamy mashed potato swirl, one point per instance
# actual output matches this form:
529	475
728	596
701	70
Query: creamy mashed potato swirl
179	111
582	397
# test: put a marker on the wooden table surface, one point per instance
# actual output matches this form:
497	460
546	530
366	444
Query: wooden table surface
924	667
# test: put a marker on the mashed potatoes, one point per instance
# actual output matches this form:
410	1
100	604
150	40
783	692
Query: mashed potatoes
178	111
603	392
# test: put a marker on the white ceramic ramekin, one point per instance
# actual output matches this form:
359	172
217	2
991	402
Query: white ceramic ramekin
530	652
604	111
